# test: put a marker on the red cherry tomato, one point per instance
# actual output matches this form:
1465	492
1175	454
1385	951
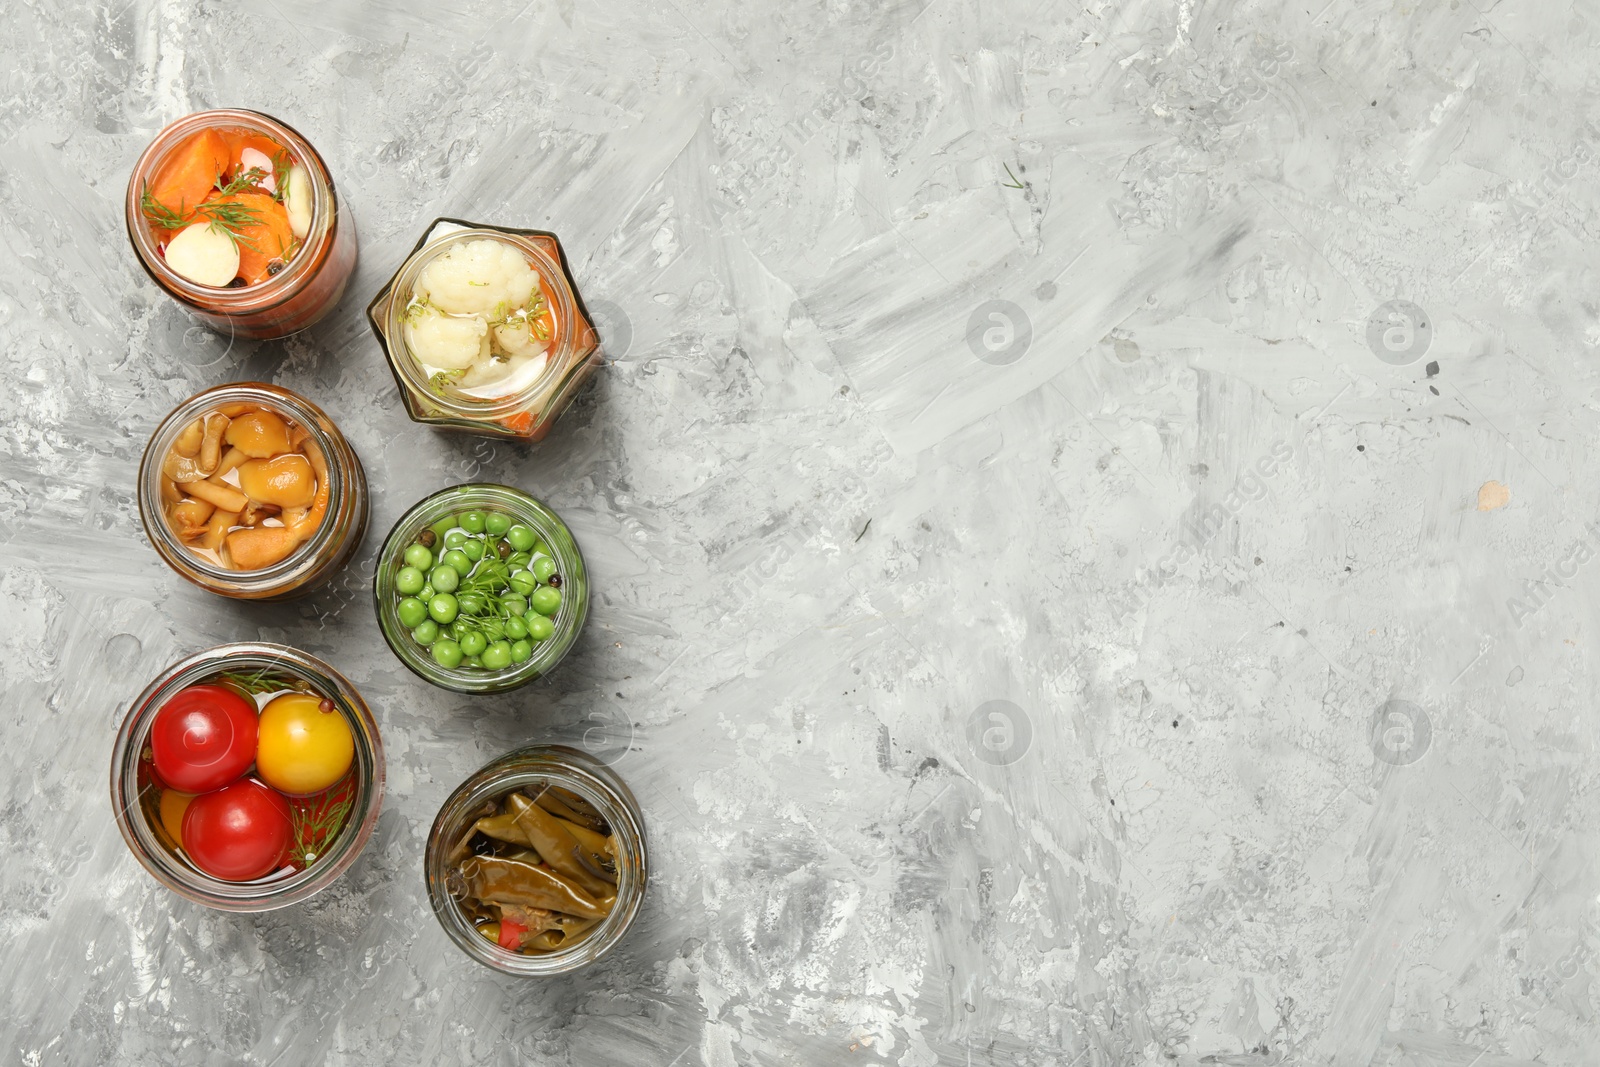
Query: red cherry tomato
203	738
238	833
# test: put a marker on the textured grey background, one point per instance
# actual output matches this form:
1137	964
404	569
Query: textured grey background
1186	523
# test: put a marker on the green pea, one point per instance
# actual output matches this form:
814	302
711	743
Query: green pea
473	642
471	661
426	632
419	557
411	611
425	594
473	522
458	559
516	629
521	652
545	600
522	582
455	539
443	608
522	537
473	550
497	523
519	559
460	628
515	603
540	628
497	656
472	603
444	578
446	653
543	568
408	580
443	527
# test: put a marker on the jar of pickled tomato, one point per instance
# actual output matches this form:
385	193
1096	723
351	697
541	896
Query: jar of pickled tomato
234	215
577	782
485	331
327	830
250	491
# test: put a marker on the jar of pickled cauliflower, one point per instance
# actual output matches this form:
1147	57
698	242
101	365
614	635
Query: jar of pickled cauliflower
233	214
485	331
250	491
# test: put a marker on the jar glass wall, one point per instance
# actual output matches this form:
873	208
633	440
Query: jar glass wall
136	794
532	771
338	531
302	288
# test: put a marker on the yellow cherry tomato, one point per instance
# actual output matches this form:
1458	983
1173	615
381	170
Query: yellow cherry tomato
173	805
300	748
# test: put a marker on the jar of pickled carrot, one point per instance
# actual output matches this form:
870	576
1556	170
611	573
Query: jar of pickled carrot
250	491
233	214
485	331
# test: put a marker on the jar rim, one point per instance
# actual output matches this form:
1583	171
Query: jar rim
196	567
569	768
569	618
262	295
259	895
387	310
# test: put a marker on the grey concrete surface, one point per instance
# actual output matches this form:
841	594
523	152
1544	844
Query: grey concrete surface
1089	512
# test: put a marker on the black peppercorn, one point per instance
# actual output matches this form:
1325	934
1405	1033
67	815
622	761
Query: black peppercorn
554	582
237	283
504	548
274	267
428	538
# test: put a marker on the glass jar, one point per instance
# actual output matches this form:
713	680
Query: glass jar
313	280
533	767
131	783
527	413
316	560
522	508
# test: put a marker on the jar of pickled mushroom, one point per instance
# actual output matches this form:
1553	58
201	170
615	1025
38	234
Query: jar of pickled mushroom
480	588
250	491
536	865
233	214
485	331
247	777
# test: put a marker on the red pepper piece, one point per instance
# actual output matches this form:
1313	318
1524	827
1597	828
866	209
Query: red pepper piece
511	934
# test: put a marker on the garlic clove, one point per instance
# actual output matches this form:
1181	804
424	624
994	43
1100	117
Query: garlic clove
257	159
204	254
297	201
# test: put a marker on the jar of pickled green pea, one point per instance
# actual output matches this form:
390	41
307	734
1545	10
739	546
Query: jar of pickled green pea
480	588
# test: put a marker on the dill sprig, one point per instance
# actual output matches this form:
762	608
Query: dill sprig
441	380
265	680
246	181
226	216
280	174
314	822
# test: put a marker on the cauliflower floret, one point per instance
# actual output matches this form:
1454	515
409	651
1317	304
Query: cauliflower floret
481	277
515	338
445	342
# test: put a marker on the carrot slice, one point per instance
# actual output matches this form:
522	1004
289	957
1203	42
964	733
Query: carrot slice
191	172
239	140
269	238
520	423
